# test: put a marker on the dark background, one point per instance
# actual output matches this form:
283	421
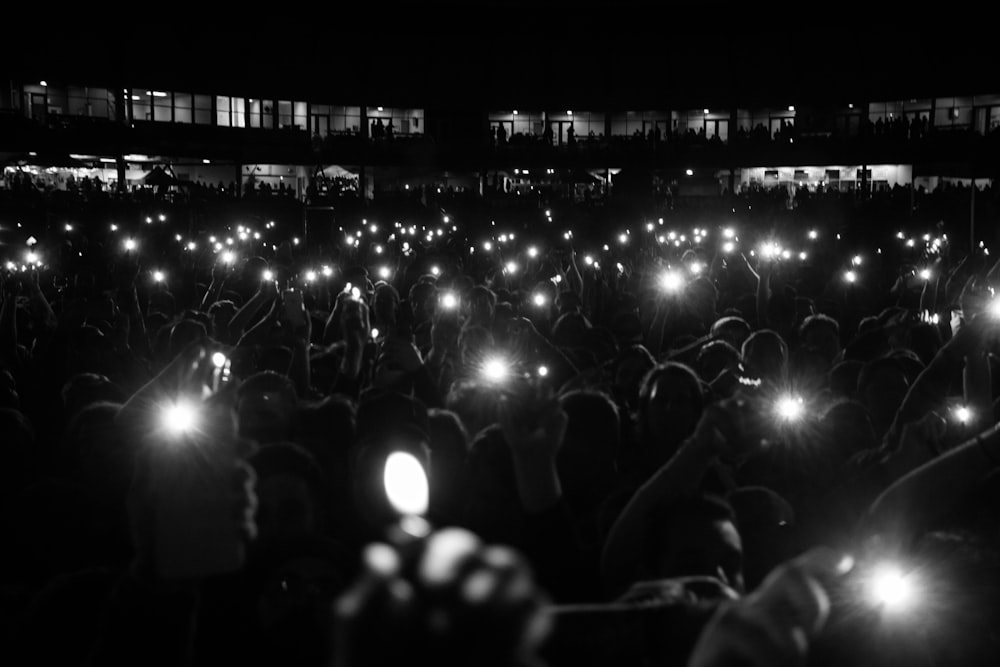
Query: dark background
503	55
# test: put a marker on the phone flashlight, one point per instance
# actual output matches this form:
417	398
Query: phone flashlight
179	418
495	370
671	281
891	589
268	274
449	301
539	300
406	485
790	408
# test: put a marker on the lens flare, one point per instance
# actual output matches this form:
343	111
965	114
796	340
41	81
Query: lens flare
179	418
891	589
495	370
790	408
671	281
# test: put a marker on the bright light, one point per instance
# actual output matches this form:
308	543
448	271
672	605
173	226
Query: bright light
218	360
384	272
891	589
406	484
649	226
543	371
228	257
532	252
436	270
378	250
327	271
268	274
802	256
963	414
158	276
68	228
900	236
588	260
769	250
449	301
374	333
373	229
495	370
295	240
729	232
813	234
791	108
697	267
786	254
856	261
162	218
671	281
43	84
994	307
910	243
621	269
487	246
689	172
548	213
310	276
925	274
511	267
446	219
851	276
130	244
179	418
539	300
569	112
114	227
728	246
31	257
790	408
177	238
623	238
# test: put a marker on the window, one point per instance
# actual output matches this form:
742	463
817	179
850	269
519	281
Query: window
90	102
182	107
301	118
237	107
162	107
345	119
222	111
284	114
202	109
254	108
142	108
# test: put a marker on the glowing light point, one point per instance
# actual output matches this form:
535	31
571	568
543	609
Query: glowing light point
728	247
310	276
532	252
539	300
790	408
495	370
158	276
130	244
543	371
218	360
406	484
891	589
851	277
179	418
813	234
671	281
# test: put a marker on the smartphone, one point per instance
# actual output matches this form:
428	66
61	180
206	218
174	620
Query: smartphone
956	321
295	312
191	478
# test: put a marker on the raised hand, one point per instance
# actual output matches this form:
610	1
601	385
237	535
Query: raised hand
773	625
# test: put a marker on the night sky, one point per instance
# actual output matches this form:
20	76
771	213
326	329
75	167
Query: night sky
498	55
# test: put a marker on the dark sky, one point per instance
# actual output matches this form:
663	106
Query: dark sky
613	55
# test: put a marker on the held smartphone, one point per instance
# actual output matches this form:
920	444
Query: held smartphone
191	477
295	312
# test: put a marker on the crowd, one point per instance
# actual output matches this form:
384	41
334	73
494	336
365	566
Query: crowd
464	442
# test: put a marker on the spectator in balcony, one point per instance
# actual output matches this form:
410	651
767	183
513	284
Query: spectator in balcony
389	129
501	135
571	135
